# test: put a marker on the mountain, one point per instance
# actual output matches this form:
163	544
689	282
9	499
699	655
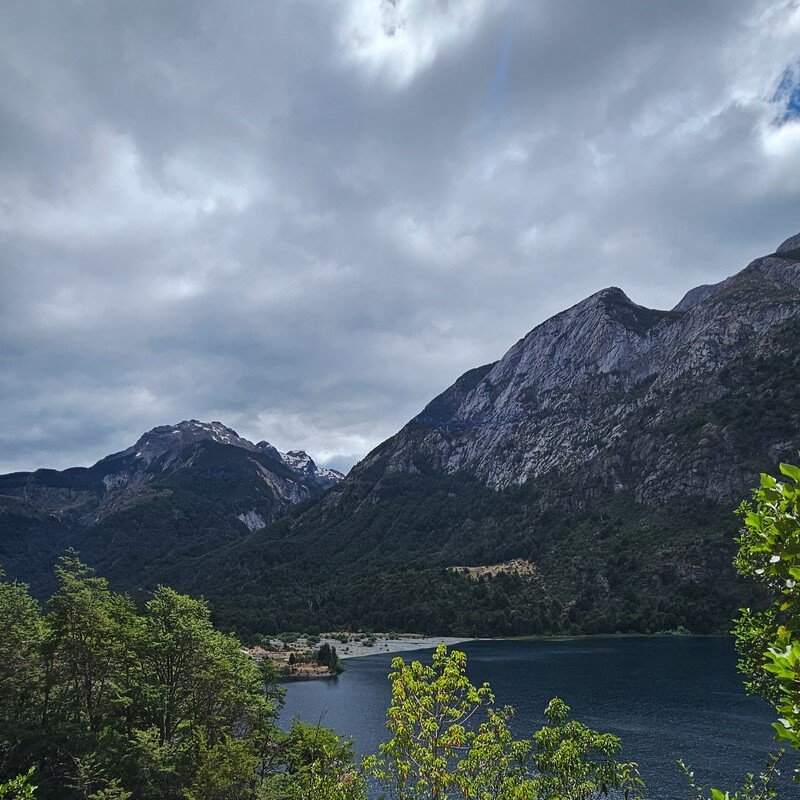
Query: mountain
605	450
583	483
179	489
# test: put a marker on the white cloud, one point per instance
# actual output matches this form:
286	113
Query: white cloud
444	240
306	219
114	192
398	39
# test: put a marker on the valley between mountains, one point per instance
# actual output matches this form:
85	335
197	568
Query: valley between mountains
583	483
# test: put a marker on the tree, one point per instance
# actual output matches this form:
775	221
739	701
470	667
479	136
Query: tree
202	696
755	787
438	750
495	765
87	626
768	640
428	716
319	765
328	657
21	676
19	788
109	703
575	762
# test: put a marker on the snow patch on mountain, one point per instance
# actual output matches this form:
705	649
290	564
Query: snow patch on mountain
301	464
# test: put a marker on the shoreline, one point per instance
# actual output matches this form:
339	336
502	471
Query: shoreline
410	644
385	646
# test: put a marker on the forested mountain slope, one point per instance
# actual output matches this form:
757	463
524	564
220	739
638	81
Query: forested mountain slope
607	448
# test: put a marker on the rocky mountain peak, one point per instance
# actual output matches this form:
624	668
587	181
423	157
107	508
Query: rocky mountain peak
204	459
778	267
301	463
167	441
791	245
603	334
171	439
268	450
620	309
695	296
609	296
300	460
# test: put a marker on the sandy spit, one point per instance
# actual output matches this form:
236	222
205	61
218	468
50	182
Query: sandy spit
401	644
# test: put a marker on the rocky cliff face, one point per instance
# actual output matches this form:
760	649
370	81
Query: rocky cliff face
599	388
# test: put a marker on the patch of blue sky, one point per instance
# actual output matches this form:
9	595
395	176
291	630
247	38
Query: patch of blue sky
787	95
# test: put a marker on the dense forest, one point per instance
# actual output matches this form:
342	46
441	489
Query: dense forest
621	567
606	561
104	700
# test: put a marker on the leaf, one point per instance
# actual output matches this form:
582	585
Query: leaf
791	471
767	481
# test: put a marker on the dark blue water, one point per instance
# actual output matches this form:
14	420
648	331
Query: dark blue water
667	697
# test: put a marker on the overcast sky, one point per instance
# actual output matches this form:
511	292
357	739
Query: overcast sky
306	218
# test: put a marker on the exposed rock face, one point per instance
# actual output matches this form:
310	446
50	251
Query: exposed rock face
790	246
253	520
608	448
171	440
302	464
596	389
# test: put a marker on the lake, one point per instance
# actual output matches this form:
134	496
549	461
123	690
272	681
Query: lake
667	697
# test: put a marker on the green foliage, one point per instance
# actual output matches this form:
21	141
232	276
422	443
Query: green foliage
769	640
607	563
319	766
90	782
575	762
755	787
19	788
621	567
112	703
494	766
449	740
328	657
428	716
22	665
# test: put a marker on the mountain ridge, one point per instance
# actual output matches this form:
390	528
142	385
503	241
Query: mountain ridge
179	487
604	343
618	436
607	448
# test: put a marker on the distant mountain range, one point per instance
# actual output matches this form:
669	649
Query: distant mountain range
590	474
180	488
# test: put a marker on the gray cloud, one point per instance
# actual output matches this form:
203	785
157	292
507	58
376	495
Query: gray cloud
305	219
